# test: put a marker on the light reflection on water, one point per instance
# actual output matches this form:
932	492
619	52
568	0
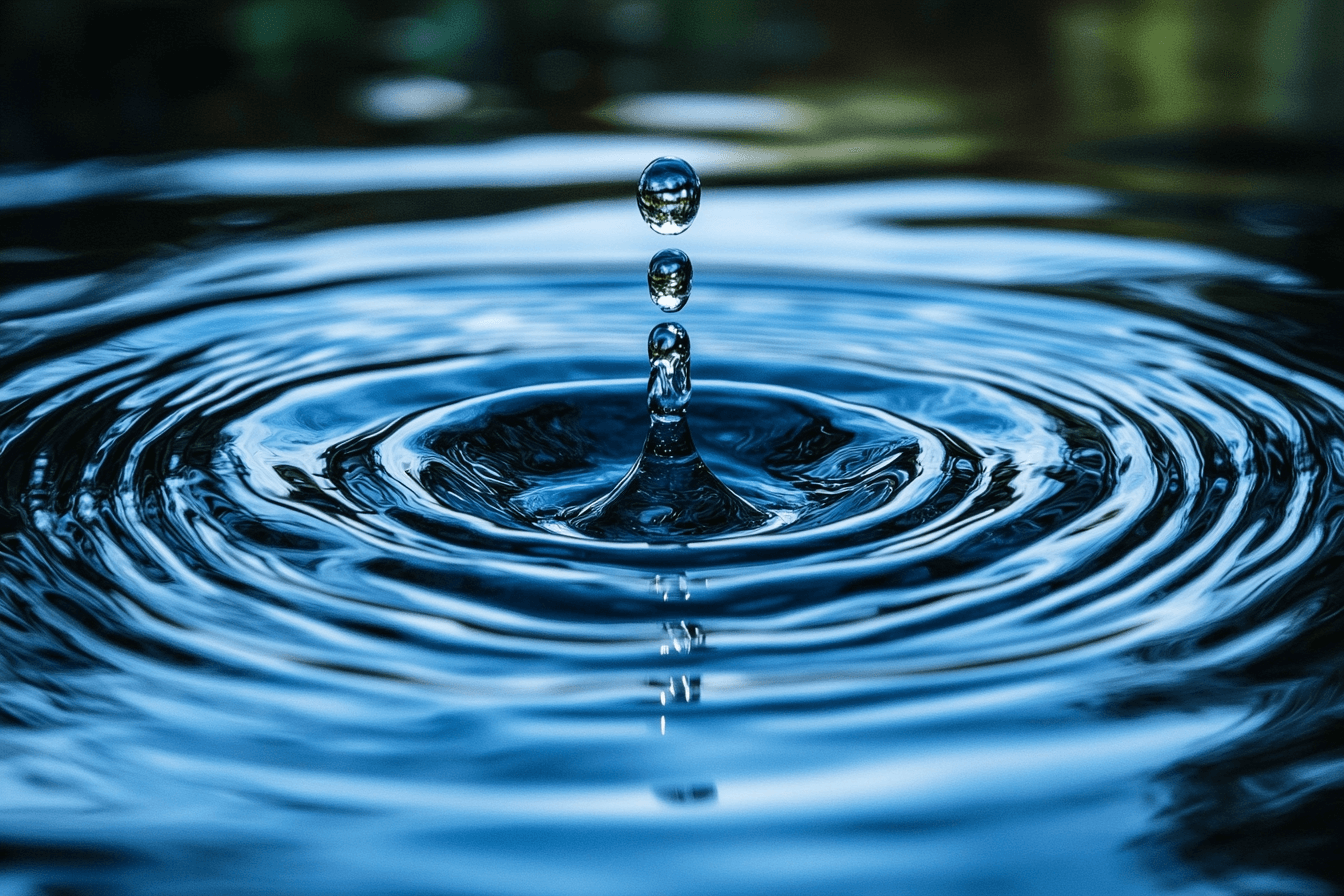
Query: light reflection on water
528	161
250	642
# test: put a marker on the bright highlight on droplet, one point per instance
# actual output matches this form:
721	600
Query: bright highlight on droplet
670	279
668	195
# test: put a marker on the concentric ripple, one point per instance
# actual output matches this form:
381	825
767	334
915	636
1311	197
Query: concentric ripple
314	483
1039	471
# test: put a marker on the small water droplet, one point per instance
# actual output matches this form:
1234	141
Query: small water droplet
669	371
669	195
668	339
670	279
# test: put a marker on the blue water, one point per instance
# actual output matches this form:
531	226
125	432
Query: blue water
288	603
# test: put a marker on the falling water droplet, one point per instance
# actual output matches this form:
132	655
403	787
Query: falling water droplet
669	195
669	492
669	372
670	279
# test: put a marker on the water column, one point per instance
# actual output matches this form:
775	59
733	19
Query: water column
669	494
669	198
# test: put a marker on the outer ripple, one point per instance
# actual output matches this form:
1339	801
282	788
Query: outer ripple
273	544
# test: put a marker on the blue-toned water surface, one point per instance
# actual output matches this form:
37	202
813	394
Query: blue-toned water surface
288	602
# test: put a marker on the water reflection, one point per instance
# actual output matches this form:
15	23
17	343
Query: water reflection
392	100
691	793
519	162
1260	810
707	112
682	636
236	598
672	587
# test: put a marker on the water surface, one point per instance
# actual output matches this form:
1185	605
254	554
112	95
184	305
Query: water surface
1049	583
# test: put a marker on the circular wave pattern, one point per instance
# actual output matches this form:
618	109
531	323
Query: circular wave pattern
335	503
1023	471
525	459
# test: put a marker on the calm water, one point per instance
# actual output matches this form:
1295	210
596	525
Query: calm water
1047	600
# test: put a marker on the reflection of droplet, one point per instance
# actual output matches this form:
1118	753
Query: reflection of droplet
669	195
669	587
670	279
682	638
669	372
679	689
38	496
691	793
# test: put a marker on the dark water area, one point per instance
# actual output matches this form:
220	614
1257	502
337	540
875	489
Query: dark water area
315	573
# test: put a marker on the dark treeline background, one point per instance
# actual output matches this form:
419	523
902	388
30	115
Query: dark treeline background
1227	82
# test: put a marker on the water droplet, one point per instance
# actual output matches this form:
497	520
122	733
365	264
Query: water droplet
669	371
669	339
670	279
669	195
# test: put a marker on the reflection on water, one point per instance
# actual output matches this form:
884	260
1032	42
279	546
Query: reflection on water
1048	596
707	112
539	161
1050	606
1268	797
419	98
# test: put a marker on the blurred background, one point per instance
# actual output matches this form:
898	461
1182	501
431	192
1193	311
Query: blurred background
1236	88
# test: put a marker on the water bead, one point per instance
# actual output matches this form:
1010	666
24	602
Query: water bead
668	195
670	279
669	339
669	492
669	372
